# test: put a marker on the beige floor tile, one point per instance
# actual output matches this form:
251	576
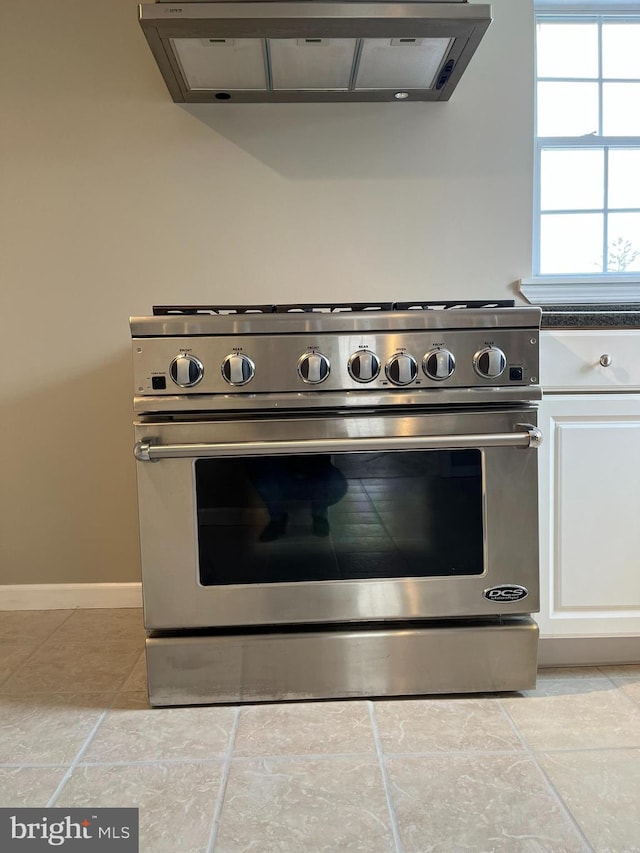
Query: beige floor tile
134	700
295	805
623	673
630	688
103	626
12	655
602	790
566	687
47	729
626	670
565	672
436	725
74	666
30	625
137	680
586	713
132	731
458	803
310	728
28	787
176	801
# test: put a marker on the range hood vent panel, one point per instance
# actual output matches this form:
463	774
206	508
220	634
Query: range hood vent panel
269	51
312	63
401	63
212	64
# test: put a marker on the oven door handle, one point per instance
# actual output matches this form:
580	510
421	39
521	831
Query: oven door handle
149	451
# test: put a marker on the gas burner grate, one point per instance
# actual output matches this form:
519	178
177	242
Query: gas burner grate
454	304
221	310
326	308
334	307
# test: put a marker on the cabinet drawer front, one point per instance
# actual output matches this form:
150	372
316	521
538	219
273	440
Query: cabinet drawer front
589	360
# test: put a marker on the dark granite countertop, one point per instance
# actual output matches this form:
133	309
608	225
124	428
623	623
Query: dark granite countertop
591	316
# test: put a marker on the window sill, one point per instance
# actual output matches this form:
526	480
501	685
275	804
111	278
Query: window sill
581	290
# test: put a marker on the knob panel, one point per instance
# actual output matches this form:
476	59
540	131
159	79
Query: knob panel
186	370
313	368
439	364
489	363
401	369
237	369
363	366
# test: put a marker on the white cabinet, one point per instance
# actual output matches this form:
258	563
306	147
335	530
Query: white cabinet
575	360
589	485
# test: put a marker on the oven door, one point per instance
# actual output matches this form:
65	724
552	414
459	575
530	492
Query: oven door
335	519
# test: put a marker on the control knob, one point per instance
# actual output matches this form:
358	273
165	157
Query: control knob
186	370
363	366
313	367
489	362
439	364
237	369
401	369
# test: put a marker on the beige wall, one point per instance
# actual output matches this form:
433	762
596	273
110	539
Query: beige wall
114	198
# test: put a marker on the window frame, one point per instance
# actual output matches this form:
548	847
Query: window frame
600	286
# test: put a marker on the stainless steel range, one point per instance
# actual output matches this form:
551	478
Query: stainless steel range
337	501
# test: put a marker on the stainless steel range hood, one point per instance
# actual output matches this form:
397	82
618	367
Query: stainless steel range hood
270	51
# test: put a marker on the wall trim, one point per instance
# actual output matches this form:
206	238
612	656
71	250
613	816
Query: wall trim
588	651
69	596
575	290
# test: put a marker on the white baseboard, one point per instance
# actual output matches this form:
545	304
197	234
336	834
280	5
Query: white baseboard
69	596
588	651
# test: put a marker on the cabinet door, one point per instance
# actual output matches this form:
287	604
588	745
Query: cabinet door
590	515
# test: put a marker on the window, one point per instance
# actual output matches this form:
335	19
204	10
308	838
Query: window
587	193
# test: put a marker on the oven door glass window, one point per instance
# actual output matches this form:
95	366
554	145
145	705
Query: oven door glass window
278	519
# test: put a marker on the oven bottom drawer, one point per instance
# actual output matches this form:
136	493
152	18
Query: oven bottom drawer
453	657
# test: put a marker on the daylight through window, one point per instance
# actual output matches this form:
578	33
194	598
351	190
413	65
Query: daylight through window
587	218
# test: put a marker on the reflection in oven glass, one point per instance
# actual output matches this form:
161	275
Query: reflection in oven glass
278	519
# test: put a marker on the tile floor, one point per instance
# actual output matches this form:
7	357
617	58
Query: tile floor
556	769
